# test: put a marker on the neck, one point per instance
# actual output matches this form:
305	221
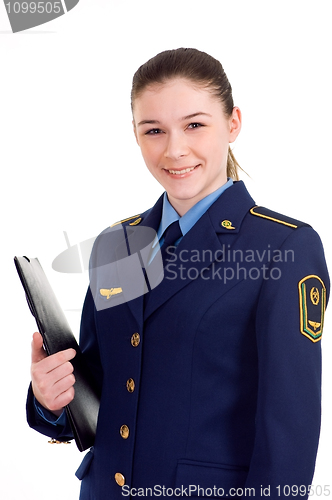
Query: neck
182	206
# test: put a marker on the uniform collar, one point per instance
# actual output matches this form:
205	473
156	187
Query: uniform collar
232	206
189	219
228	212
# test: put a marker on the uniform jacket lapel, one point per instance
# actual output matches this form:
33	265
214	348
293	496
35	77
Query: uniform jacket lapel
150	219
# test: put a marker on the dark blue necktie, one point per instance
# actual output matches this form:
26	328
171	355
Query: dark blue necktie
171	235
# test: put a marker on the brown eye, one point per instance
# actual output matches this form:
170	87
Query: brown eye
153	131
195	125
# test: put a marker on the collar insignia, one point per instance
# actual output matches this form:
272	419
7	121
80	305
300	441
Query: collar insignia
227	224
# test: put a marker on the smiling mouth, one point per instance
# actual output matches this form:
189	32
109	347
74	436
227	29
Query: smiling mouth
181	172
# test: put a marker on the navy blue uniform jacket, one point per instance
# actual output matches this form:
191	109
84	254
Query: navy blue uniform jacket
216	383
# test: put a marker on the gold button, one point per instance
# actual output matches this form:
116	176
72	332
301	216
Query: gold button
135	339
124	431
130	385
120	479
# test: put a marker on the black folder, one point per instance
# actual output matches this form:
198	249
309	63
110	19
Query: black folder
82	412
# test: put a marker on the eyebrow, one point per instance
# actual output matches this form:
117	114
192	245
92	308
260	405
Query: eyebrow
188	117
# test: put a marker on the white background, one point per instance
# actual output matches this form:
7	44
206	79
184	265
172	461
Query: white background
69	162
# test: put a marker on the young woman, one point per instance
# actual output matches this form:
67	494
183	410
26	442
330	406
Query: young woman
210	374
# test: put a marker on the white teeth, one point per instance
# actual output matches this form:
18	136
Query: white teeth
179	172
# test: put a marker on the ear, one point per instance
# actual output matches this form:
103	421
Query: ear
235	124
135	131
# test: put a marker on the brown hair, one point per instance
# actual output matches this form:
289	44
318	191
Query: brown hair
193	65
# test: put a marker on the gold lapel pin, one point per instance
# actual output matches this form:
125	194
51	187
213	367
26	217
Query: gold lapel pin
227	224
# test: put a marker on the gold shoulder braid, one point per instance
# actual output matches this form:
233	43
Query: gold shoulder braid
265	213
125	220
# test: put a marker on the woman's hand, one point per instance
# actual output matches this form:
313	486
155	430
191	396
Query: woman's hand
52	376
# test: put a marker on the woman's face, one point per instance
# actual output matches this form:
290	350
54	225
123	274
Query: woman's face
184	136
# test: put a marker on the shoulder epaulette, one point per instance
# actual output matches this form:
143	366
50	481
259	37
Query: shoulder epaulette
137	221
265	213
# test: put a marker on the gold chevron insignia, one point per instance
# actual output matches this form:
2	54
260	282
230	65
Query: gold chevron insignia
227	224
314	324
109	292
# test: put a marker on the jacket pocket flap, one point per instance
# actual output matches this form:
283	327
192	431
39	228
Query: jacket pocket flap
209	476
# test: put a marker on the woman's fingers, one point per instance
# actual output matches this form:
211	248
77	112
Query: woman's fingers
37	351
52	376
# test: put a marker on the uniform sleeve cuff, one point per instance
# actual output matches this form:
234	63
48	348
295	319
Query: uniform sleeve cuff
48	416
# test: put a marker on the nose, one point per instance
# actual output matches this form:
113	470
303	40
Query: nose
176	146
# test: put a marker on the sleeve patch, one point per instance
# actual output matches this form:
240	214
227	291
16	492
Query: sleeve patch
312	294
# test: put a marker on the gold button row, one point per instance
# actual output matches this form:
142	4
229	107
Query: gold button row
124	429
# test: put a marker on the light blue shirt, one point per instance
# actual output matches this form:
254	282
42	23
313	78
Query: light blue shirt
188	220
